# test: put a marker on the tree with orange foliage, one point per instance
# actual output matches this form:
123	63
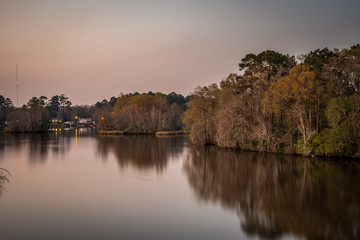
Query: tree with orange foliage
295	95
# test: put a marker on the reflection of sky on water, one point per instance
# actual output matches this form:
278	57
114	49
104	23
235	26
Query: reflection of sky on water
69	186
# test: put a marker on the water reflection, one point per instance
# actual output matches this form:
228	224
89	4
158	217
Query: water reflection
2	146
275	195
141	152
38	145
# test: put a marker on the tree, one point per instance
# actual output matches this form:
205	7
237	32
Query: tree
103	119
173	117
295	95
65	104
235	120
234	84
235	123
260	71
342	137
42	101
5	103
275	105
200	116
54	106
270	63
142	113
83	111
112	101
121	102
38	115
318	58
6	106
63	99
342	74
176	98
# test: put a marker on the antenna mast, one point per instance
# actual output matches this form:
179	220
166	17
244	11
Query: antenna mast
17	86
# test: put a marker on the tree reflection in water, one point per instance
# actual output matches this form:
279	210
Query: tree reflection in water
38	145
275	195
141	152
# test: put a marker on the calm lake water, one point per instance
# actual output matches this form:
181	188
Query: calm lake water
83	186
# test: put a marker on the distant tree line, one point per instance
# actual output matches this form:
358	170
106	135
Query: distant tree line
144	113
276	104
133	112
6	106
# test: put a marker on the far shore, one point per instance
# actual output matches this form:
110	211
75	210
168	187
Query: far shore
161	133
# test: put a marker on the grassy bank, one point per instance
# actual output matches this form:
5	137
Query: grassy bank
114	132
171	133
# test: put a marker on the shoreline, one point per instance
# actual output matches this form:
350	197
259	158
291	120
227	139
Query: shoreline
160	133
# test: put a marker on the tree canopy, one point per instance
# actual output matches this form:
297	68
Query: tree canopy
275	104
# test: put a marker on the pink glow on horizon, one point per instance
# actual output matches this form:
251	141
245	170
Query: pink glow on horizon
91	50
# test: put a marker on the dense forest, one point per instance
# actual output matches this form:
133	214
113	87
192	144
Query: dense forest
133	113
309	106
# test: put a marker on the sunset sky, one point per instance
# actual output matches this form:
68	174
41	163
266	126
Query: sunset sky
94	49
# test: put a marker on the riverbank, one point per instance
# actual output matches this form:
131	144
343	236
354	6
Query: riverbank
113	132
161	133
172	133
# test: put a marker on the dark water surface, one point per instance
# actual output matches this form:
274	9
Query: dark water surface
82	186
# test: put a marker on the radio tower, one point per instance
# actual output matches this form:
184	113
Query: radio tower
17	87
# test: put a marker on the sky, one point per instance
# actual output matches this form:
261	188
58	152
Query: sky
91	50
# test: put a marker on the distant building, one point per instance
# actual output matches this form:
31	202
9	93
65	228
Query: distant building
68	125
55	120
55	124
86	122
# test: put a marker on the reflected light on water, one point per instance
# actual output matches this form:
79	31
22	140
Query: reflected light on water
76	137
17	160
